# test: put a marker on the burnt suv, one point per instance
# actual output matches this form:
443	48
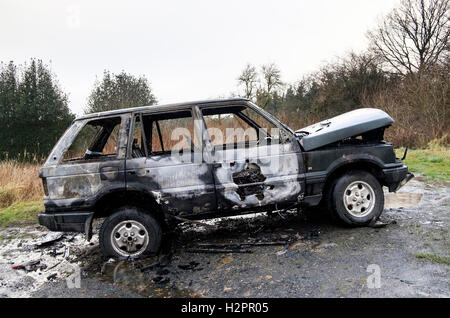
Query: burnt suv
142	168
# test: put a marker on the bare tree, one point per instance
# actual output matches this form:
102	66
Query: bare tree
414	36
272	79
249	78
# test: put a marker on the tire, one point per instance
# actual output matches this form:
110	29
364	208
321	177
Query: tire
356	198
329	201
130	233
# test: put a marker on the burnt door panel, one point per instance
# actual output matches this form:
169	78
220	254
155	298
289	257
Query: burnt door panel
179	180
258	176
180	188
78	186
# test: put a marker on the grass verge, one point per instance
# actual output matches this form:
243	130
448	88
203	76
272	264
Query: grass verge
434	258
432	162
22	213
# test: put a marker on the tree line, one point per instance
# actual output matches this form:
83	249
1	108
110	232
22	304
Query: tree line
34	109
405	71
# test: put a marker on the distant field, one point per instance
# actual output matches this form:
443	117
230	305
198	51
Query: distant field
21	190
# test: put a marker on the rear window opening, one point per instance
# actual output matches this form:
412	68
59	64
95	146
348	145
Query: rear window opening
97	140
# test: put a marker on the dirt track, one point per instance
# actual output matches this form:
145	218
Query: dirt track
319	258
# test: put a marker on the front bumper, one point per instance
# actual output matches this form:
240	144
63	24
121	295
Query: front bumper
395	178
67	222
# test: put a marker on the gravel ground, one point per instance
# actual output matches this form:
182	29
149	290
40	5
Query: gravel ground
316	258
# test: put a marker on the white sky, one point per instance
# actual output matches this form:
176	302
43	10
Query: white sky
188	50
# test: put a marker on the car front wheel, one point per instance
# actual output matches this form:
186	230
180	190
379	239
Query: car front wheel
356	198
130	233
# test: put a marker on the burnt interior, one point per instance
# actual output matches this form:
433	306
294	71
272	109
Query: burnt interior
238	111
150	125
250	175
92	141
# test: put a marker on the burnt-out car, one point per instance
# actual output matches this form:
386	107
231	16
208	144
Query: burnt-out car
142	168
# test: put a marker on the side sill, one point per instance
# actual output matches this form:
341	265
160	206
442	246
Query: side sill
311	200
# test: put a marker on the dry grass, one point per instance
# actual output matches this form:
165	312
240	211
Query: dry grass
19	182
420	106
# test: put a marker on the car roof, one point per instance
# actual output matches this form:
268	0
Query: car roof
168	107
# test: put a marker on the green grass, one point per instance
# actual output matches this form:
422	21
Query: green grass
432	162
21	213
434	258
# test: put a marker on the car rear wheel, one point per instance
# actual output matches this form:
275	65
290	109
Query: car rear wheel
130	233
356	198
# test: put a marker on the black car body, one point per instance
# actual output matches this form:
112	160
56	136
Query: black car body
123	162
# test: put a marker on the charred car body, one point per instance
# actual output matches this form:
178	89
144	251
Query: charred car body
143	167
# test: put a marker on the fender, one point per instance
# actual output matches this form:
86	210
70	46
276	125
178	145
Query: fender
354	158
316	180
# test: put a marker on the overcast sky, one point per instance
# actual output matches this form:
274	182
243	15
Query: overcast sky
188	50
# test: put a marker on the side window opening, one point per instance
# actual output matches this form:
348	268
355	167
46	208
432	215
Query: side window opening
270	129
172	132
164	133
237	126
157	144
96	140
138	144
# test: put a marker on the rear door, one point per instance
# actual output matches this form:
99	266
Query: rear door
167	161
254	160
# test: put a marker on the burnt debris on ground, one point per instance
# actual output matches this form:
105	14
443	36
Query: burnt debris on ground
293	255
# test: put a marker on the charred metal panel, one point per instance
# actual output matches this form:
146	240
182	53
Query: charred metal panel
162	108
180	183
179	186
250	181
78	184
251	177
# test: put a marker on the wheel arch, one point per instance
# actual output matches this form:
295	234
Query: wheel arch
111	201
368	163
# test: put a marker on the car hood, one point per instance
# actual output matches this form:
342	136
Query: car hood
353	123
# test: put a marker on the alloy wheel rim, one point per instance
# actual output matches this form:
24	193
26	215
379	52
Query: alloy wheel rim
359	199
129	238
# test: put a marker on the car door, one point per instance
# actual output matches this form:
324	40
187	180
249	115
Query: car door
166	162
255	162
